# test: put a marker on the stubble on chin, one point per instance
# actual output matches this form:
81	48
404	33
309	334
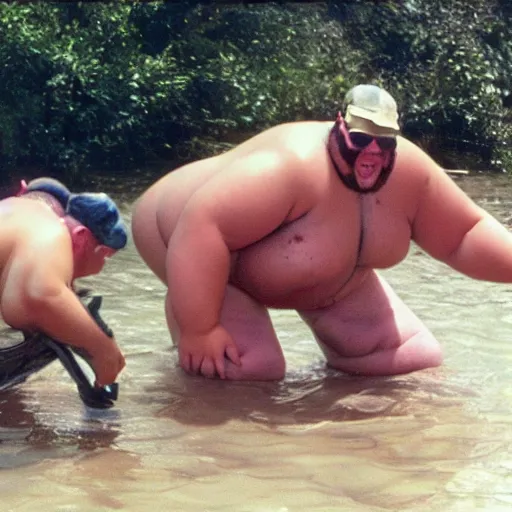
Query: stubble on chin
367	173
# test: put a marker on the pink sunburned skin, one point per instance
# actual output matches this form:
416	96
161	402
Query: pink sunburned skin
105	251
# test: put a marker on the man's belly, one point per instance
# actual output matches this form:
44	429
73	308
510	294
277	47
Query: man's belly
289	269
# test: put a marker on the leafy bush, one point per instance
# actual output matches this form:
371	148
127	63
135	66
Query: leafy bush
117	84
448	64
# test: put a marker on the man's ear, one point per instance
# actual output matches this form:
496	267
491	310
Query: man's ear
79	238
79	235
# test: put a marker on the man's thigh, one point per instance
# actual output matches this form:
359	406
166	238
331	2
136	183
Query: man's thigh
250	325
146	235
251	328
373	331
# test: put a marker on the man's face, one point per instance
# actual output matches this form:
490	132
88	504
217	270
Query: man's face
95	258
370	157
369	164
92	258
88	254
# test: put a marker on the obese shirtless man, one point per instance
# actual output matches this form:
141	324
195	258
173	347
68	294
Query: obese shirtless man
302	216
49	238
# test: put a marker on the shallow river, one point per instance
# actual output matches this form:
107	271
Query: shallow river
436	440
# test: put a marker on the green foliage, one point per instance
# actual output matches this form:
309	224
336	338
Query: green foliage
55	89
117	84
272	65
448	64
245	69
76	88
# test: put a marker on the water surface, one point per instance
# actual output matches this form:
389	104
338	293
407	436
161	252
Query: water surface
318	441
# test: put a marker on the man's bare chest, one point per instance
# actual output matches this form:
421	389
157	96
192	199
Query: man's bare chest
385	232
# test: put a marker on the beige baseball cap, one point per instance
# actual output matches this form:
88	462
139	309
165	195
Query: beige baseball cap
374	104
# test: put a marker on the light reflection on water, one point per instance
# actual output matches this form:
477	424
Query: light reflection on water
434	440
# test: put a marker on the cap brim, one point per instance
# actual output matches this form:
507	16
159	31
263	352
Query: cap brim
359	124
377	118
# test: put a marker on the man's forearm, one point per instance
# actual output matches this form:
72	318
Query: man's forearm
485	252
64	318
197	274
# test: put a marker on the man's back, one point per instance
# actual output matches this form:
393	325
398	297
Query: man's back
31	236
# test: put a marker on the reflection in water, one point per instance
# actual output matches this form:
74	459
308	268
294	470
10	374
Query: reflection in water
23	428
434	440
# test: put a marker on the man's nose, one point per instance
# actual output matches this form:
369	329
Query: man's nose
373	148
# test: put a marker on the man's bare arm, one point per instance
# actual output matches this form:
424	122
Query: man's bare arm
450	226
234	209
485	252
36	297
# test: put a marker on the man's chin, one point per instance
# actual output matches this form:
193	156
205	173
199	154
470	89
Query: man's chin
367	182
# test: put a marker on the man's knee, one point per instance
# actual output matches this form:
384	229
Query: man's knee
271	369
425	350
276	370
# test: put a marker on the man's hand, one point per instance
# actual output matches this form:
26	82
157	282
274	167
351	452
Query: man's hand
107	364
205	354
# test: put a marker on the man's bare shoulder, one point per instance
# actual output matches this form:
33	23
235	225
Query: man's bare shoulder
298	139
29	221
412	159
33	242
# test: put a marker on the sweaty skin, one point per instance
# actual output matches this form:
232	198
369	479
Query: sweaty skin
270	224
37	269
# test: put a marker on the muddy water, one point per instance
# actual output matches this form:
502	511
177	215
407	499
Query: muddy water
318	441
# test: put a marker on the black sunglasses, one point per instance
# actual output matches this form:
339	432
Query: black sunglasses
360	140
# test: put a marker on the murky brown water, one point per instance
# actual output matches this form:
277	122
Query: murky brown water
438	440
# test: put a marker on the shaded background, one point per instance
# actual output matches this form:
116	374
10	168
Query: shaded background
119	86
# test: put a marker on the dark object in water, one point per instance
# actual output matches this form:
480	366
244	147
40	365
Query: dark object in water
19	361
